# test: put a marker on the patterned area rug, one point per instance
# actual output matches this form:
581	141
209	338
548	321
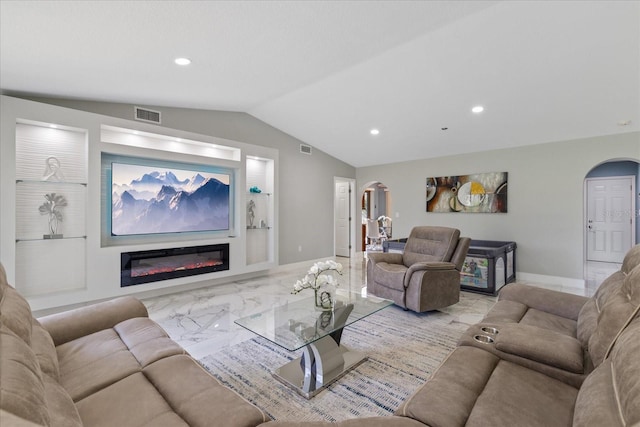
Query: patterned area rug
404	349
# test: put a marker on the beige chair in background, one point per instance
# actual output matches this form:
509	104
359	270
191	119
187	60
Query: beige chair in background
374	235
426	276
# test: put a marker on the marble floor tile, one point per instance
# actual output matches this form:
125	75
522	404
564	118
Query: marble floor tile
202	320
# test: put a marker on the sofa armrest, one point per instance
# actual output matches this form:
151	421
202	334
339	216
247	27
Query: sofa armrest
79	322
554	302
541	345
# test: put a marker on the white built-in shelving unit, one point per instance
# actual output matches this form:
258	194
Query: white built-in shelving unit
260	210
50	161
81	262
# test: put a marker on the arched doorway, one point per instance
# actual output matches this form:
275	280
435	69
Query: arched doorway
375	205
610	217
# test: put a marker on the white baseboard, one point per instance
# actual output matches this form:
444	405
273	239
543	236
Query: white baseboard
551	280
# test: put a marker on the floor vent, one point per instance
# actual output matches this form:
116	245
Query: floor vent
149	116
305	149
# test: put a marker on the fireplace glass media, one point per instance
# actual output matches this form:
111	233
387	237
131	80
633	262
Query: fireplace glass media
163	264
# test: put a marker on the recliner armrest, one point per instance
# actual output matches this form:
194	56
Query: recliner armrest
434	266
391	258
541	345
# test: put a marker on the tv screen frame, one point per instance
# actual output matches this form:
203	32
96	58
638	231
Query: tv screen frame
165	198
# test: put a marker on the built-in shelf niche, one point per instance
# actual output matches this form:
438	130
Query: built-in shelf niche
50	159
260	231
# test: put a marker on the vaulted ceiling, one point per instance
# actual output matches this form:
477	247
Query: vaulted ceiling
327	72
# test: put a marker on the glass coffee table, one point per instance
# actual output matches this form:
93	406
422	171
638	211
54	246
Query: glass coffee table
300	325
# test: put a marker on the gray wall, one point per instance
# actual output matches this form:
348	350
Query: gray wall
546	197
306	182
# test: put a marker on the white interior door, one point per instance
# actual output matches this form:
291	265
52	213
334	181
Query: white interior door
342	216
610	219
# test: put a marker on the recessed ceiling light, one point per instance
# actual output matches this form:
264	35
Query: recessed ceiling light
374	131
182	61
53	126
478	109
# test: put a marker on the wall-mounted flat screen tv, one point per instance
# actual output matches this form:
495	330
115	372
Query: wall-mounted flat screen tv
149	200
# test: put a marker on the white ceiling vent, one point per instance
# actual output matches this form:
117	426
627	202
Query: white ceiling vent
305	149
149	116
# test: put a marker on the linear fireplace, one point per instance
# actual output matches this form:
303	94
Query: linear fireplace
163	264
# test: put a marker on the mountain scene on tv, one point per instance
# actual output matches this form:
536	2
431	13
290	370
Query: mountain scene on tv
148	200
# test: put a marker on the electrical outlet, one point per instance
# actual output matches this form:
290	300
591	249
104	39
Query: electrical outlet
299	248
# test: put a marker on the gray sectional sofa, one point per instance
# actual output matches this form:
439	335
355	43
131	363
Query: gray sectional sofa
104	365
562	335
539	358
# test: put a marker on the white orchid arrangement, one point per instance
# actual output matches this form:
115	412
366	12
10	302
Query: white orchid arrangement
317	276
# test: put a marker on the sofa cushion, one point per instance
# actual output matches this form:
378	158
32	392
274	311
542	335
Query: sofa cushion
475	388
15	312
62	410
9	419
631	259
596	403
146	340
611	394
517	396
587	322
621	306
22	392
156	397
80	322
45	351
132	401
549	321
95	361
193	393
625	365
588	317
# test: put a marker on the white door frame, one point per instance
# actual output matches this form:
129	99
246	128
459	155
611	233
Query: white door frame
632	224
352	214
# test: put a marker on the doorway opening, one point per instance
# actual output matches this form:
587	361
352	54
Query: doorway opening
611	225
344	214
375	208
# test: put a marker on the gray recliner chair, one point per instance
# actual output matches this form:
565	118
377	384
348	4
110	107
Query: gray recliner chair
426	276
